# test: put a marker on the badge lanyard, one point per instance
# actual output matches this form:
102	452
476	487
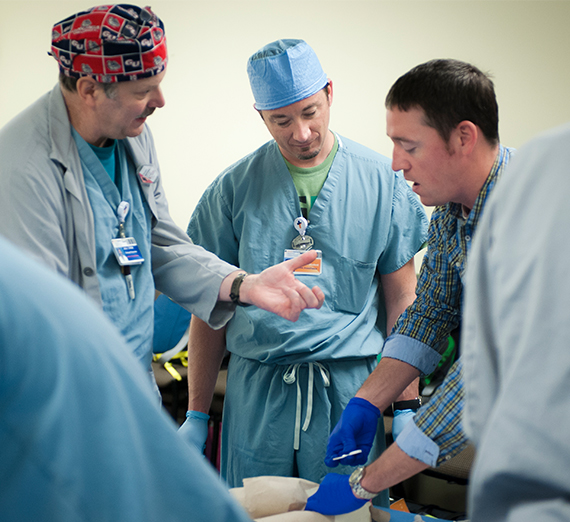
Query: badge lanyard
303	243
126	249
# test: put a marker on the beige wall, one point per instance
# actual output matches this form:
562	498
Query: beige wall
208	121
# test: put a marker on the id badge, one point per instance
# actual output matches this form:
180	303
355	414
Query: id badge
127	251
314	268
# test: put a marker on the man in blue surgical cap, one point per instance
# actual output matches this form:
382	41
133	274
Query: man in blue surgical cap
307	188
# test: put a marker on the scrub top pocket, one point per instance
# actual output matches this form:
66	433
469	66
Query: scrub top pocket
353	281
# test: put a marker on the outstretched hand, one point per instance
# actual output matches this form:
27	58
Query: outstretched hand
278	291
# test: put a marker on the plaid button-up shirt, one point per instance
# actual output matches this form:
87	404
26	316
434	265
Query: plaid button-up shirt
420	334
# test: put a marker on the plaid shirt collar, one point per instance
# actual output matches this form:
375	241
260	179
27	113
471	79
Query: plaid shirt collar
456	209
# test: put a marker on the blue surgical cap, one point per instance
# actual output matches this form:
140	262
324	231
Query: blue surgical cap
284	72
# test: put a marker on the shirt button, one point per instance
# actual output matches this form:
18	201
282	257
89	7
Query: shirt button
467	238
88	271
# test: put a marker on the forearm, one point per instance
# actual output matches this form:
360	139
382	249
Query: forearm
206	348
399	289
412	391
392	467
399	293
388	382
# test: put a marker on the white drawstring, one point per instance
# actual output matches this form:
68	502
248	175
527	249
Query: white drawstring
290	377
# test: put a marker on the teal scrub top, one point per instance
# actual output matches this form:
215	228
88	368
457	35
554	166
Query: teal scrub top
134	318
366	221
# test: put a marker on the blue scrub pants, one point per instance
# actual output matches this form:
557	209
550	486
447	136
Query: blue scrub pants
265	418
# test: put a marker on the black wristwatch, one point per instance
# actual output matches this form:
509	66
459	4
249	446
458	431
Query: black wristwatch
413	404
234	292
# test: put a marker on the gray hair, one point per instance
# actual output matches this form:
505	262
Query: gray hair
70	84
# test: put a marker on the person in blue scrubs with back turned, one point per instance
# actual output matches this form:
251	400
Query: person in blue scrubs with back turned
83	436
308	188
82	190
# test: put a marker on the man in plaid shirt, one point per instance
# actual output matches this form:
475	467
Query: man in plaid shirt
442	117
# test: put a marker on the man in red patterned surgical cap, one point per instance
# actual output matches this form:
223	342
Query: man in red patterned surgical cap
82	190
101	50
110	43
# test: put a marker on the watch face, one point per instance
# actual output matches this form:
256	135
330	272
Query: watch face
355	476
358	490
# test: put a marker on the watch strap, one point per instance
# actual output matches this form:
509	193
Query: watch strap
412	404
236	285
357	489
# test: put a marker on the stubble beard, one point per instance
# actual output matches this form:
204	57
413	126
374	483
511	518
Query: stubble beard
310	155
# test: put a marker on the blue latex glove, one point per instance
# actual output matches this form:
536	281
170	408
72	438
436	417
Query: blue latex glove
334	497
355	430
401	418
195	429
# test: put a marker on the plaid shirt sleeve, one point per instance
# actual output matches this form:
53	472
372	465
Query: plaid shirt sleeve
437	309
436	433
420	334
